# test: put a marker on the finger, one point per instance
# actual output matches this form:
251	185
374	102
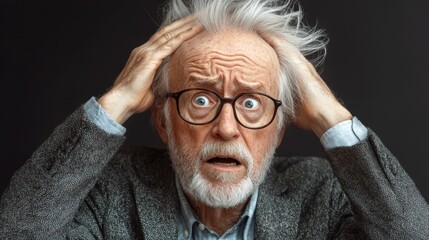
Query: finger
171	45
167	36
187	24
177	24
153	58
280	42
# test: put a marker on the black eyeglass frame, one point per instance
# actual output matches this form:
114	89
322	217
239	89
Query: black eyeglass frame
223	100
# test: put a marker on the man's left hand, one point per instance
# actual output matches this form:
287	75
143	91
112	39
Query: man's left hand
318	109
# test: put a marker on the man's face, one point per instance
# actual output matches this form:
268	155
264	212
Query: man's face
221	163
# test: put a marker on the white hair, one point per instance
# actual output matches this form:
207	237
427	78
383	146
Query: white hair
281	18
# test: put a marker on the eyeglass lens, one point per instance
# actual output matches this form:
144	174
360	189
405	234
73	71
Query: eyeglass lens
251	110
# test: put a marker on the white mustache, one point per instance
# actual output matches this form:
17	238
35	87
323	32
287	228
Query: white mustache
234	150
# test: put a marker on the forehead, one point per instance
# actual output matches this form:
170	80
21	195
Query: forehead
229	58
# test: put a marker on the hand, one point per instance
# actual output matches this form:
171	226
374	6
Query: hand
132	91
318	109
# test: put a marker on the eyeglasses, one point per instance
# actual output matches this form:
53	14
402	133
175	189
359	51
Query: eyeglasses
201	106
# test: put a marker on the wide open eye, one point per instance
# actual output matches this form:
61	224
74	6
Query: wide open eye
201	101
250	103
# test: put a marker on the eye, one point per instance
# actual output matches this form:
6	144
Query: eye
202	101
250	103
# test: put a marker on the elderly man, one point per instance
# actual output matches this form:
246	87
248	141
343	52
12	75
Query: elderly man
229	77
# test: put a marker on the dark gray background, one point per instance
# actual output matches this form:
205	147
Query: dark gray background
55	55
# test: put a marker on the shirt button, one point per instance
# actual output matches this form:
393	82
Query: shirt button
186	234
201	226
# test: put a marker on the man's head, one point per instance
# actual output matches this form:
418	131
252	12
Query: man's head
222	162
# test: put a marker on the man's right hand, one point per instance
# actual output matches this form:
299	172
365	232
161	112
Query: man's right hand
132	91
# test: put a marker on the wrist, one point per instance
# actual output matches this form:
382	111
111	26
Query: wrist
116	106
326	120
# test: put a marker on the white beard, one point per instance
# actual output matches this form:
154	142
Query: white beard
228	191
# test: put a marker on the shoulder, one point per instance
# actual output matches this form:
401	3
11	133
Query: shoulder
140	157
300	175
133	165
302	166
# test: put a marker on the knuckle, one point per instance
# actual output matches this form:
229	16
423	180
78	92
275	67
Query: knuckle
171	44
149	53
194	28
135	51
139	50
179	37
141	57
167	46
161	31
168	35
165	28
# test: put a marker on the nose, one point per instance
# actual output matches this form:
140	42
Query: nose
226	126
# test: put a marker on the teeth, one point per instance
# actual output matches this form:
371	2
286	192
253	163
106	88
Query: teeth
226	164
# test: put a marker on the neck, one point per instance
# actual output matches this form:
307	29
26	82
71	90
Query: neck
217	219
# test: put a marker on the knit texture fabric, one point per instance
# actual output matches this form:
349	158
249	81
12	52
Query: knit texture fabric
81	184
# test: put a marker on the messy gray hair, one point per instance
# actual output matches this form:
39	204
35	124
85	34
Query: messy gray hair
281	18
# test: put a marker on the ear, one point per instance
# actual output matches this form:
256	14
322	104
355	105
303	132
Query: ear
159	122
280	135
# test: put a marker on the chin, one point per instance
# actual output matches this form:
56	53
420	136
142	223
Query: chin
218	177
219	194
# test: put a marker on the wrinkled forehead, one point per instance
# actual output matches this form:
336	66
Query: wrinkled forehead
231	57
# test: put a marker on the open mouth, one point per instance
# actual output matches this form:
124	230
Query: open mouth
223	169
224	161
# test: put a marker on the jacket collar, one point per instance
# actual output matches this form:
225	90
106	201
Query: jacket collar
159	210
276	214
156	198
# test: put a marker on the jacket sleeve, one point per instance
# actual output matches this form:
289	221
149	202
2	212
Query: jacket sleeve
385	202
45	193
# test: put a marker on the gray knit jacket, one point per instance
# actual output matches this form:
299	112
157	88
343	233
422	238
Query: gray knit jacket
81	184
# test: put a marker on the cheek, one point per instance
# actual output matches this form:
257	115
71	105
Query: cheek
186	134
260	142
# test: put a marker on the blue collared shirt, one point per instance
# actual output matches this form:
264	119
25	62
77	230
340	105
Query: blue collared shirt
346	133
190	227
